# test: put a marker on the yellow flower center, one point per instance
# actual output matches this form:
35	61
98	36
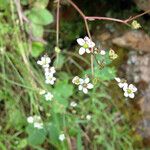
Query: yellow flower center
85	45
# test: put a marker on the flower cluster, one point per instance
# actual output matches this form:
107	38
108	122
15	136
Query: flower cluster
135	25
36	121
129	90
49	71
83	84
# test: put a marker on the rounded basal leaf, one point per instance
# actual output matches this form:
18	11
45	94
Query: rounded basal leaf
35	136
37	49
40	16
37	30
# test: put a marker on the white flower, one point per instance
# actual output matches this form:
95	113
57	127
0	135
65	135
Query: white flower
36	121
85	44
85	85
88	117
129	90
76	80
121	82
61	137
50	79
48	96
73	104
102	52
44	62
49	71
30	119
38	125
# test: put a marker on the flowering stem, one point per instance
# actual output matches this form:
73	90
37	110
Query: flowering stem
57	24
57	30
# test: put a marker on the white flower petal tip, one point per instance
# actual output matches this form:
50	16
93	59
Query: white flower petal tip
80	41
61	137
117	79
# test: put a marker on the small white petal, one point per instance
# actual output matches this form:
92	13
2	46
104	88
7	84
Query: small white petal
131	95
117	79
80	41
90	86
80	87
86	38
91	44
87	51
126	94
121	85
81	81
125	87
81	51
85	90
87	80
132	87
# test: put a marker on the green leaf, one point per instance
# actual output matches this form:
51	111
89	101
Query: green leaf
35	136
22	144
37	30
40	16
62	92
37	49
59	61
79	140
53	133
107	73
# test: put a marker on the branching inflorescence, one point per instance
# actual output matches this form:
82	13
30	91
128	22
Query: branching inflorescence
87	46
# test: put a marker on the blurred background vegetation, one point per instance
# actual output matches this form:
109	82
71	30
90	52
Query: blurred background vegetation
27	31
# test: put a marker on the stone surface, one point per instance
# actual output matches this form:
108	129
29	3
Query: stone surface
138	71
143	4
134	39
